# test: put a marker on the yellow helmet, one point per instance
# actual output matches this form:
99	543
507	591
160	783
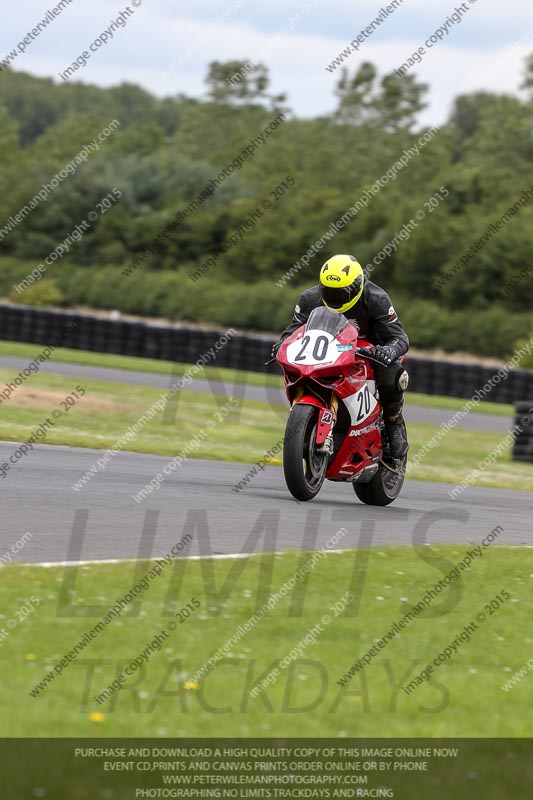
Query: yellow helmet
341	280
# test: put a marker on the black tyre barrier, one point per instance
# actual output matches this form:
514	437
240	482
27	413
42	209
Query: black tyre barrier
523	432
185	343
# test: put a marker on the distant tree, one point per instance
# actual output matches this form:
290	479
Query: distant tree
468	111
400	101
528	77
34	103
9	136
391	106
132	102
356	94
240	83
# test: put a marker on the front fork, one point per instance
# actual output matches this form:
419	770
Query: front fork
326	423
326	419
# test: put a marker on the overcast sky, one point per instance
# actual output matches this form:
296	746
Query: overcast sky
485	51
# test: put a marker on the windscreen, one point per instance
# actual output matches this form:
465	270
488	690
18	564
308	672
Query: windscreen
323	319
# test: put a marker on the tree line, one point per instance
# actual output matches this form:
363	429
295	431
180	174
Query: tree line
211	182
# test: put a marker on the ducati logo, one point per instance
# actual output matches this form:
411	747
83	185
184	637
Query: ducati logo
364	430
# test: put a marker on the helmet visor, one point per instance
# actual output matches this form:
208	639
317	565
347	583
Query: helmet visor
335	297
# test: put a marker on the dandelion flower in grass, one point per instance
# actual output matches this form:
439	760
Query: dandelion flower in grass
193	685
96	716
30	657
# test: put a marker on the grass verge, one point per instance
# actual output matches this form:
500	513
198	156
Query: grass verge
463	698
230	376
102	415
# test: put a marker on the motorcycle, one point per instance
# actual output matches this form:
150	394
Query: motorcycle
335	429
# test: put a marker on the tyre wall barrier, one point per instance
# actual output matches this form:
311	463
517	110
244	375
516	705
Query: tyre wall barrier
246	351
523	427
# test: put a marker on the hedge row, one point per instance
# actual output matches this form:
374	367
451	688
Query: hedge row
259	306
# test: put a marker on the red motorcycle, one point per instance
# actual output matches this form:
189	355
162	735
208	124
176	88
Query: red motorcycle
335	428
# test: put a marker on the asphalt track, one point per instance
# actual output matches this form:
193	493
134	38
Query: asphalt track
275	397
102	521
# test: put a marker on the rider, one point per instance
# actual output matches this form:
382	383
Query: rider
343	288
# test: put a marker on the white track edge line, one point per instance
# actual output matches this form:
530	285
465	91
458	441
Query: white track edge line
87	562
135	560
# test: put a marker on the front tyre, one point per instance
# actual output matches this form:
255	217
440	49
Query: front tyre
384	487
303	466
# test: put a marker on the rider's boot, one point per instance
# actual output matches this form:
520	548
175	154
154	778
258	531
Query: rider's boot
396	434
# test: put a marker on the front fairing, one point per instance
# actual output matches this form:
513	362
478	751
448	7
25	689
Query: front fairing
323	350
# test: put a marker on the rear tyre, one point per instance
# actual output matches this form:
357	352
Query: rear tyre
383	488
304	468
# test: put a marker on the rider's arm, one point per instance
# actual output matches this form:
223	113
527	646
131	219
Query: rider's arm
388	328
300	316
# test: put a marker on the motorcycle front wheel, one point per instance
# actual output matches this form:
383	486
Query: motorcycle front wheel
304	468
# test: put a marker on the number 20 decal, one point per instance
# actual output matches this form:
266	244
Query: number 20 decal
315	347
360	405
320	348
364	404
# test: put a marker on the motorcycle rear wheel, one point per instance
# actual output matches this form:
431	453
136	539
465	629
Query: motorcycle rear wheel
384	487
304	468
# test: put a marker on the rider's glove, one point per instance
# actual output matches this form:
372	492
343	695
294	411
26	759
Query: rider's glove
385	354
275	348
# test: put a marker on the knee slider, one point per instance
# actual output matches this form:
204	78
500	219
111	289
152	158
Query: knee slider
402	380
392	381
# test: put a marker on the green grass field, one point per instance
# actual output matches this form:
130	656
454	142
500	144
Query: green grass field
232	376
464	697
107	409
